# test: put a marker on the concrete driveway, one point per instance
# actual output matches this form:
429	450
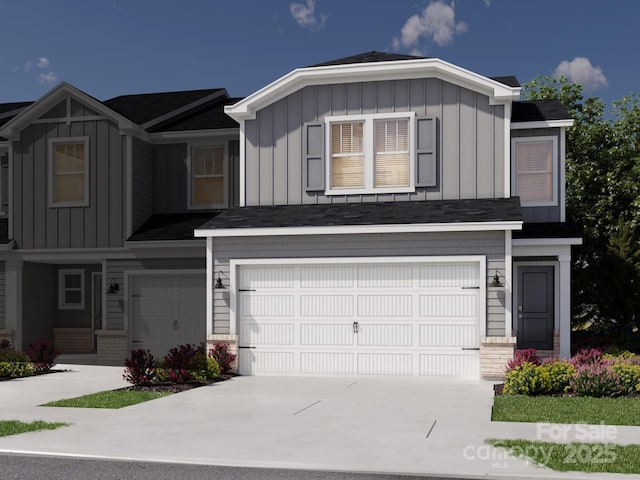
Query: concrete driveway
394	425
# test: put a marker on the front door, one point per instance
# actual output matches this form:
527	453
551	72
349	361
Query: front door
535	305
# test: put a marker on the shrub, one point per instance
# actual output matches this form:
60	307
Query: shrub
559	373
628	375
213	369
596	379
527	379
15	357
586	356
618	355
141	368
220	352
528	355
186	357
10	369
42	355
5	347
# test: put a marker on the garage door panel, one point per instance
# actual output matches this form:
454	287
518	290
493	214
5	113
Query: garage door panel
252	362
327	276
267	277
384	306
448	335
267	306
443	275
152	306
449	364
327	363
253	333
391	335
384	364
326	334
330	305
437	306
385	276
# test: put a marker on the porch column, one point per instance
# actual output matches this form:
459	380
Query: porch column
565	305
13	299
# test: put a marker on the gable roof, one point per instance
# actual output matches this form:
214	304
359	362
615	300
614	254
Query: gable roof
539	111
209	116
144	107
371	66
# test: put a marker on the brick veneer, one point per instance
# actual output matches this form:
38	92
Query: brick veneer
73	340
232	340
113	347
495	353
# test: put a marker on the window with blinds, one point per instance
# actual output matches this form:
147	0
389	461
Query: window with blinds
347	155
391	162
69	172
207	176
535	163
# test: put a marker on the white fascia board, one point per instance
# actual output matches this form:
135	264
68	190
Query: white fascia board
543	124
525	242
185	108
165	244
366	72
360	229
12	128
183	136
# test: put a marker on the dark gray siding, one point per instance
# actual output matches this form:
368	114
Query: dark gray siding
76	318
541	214
234	169
470	139
490	244
3	296
4	183
101	223
142	167
39	301
115	272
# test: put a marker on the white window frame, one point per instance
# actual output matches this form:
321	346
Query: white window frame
369	153
52	174
554	169
225	174
62	305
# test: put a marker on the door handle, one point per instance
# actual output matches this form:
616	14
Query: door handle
356	327
175	324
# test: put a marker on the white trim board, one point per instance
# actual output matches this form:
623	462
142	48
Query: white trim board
542	124
360	229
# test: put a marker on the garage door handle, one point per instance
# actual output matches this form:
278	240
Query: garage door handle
356	327
246	289
245	347
471	288
136	341
470	348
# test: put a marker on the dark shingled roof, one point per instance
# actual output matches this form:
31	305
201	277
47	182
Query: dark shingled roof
8	107
368	57
208	116
548	230
178	226
390	213
508	80
144	107
539	111
4	231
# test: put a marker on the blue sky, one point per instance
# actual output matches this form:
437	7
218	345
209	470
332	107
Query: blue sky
108	48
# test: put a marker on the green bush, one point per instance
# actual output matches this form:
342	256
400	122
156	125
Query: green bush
628	376
12	356
560	374
10	369
618	355
527	379
596	380
213	369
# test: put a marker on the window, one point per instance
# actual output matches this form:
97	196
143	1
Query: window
68	172
207	184
536	170
370	153
71	289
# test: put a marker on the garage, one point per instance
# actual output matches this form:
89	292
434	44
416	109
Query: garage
166	310
382	316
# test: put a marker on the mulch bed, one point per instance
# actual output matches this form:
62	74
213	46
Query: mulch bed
176	387
498	388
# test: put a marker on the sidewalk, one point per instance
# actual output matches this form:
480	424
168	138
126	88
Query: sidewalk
387	425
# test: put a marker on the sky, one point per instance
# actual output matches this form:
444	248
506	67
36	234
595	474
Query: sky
115	47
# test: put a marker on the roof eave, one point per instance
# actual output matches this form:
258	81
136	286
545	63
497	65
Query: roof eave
542	124
376	71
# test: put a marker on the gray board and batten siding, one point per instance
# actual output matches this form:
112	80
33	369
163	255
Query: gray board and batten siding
142	181
470	140
542	214
3	299
489	244
100	224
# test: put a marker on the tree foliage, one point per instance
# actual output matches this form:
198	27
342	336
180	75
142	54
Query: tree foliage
603	198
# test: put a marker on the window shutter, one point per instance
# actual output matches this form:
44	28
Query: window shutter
313	147
426	158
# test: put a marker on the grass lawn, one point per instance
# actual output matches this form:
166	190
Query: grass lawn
610	411
577	457
108	399
13	427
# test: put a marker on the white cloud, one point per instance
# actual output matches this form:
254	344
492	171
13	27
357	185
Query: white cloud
436	23
305	15
579	70
48	78
43	62
28	66
487	3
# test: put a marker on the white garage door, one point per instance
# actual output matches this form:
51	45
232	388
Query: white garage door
167	310
360	319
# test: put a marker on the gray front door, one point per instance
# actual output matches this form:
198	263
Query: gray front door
535	307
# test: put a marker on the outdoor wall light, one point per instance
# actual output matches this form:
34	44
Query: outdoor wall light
219	283
113	287
496	280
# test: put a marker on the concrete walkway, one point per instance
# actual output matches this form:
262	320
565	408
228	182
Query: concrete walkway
366	424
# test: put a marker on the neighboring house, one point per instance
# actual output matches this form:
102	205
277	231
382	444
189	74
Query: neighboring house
99	204
398	216
378	214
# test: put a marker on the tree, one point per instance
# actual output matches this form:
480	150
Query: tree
603	198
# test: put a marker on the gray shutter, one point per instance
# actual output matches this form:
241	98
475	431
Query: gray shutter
426	155
313	147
